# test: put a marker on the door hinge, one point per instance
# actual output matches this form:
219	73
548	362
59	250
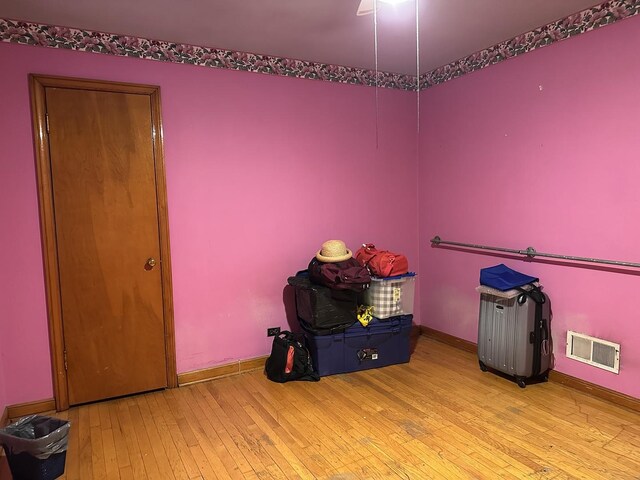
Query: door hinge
46	119
65	361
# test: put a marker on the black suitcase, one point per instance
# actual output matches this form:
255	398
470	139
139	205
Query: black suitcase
323	310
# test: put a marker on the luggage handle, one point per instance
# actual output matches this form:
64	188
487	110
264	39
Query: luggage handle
545	338
535	294
544	332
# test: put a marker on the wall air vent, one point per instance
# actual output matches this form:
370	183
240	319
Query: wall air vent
594	351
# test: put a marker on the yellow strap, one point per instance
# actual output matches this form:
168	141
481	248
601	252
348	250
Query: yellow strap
365	314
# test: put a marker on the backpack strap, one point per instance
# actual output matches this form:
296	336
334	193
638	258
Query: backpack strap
305	365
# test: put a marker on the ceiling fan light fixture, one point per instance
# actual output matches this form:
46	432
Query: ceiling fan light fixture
367	6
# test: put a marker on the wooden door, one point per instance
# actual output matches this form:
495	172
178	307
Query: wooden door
108	244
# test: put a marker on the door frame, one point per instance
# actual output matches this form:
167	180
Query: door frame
38	83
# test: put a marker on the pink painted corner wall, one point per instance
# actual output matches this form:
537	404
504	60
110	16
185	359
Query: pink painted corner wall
24	340
260	171
541	150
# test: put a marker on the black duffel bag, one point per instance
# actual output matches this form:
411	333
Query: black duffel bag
322	309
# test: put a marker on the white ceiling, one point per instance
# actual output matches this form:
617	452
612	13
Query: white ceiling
326	31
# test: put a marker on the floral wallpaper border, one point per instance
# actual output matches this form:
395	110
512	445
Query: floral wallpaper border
581	22
128	46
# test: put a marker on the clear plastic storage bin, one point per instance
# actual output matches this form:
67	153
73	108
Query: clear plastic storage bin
391	296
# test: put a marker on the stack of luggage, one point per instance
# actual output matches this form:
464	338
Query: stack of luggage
355	312
514	334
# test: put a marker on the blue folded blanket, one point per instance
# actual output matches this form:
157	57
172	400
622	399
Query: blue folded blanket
503	278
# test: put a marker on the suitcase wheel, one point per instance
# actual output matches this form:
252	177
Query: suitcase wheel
521	382
483	367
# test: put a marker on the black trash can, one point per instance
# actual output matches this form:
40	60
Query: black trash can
36	447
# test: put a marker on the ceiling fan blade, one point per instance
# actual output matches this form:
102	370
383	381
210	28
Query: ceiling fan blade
366	7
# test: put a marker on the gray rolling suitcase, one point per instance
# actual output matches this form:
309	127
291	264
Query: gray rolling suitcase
514	334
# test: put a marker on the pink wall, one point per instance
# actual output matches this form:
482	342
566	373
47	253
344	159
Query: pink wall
23	315
260	170
539	150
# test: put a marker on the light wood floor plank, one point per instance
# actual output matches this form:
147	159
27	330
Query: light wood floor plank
85	447
122	453
94	415
104	415
135	455
232	438
73	461
151	467
126	473
169	419
235	462
110	456
322	451
437	417
211	442
167	469
164	434
252	440
201	452
98	457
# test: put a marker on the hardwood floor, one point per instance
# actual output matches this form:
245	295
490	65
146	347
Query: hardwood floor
437	417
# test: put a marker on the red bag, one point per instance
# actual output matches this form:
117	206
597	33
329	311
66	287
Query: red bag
382	263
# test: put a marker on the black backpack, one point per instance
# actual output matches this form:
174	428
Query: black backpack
290	359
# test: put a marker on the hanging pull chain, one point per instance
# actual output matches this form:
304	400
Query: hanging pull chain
418	76
375	50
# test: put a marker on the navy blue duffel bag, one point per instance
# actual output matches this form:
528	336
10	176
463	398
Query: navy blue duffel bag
504	278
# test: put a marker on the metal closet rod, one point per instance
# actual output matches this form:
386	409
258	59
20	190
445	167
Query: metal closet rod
531	252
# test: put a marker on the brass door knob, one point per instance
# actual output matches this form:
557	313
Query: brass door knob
151	262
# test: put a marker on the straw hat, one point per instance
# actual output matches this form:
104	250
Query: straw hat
333	251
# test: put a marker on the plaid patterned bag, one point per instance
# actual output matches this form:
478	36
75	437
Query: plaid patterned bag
386	296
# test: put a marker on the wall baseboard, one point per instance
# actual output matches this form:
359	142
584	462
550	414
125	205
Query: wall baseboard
235	368
416	331
211	373
603	393
442	337
30	408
